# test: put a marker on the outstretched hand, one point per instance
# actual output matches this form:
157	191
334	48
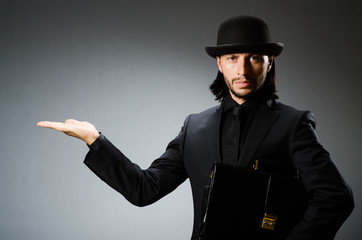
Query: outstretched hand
82	130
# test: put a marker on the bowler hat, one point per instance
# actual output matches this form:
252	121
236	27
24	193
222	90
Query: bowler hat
244	34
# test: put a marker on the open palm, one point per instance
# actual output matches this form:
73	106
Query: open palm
79	129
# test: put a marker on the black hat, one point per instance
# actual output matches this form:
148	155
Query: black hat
244	34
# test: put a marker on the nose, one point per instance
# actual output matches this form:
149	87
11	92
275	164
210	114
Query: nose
242	67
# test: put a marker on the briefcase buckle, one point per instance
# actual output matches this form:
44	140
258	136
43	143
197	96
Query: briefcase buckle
255	165
268	221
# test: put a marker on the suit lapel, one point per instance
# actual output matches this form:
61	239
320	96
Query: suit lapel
263	120
212	134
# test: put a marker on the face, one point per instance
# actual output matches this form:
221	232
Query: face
244	73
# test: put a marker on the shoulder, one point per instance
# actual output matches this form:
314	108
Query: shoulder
201	118
206	113
292	113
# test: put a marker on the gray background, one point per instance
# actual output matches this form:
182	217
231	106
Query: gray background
136	69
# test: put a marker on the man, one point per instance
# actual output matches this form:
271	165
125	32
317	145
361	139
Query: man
248	125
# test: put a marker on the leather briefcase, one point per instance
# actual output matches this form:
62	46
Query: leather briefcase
251	204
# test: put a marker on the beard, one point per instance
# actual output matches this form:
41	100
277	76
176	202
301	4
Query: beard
246	95
254	91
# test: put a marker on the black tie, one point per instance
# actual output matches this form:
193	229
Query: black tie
234	131
233	138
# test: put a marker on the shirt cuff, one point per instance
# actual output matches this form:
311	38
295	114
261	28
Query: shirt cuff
97	143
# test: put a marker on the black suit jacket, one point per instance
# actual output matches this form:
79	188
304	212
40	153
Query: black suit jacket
278	133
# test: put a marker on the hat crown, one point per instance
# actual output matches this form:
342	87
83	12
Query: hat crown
243	30
244	34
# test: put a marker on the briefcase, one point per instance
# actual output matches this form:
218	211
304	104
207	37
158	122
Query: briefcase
251	204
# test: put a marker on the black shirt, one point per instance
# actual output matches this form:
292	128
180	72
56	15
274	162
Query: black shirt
246	116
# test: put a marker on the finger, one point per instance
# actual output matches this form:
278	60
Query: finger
59	126
43	123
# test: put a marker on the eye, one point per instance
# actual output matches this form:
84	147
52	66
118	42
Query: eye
256	58
231	58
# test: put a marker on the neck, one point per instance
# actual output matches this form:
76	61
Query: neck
239	100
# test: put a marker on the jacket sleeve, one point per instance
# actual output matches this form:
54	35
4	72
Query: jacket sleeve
138	186
330	197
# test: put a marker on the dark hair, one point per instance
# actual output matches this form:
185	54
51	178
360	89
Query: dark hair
266	92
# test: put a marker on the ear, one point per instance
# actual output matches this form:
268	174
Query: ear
219	63
270	64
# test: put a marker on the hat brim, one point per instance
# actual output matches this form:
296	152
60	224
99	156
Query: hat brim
270	49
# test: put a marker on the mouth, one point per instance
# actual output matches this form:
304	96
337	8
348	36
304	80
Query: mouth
242	83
